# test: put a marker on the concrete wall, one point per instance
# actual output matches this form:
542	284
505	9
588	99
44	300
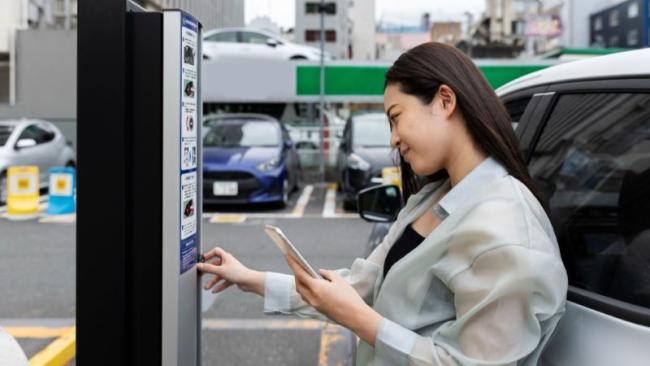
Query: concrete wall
46	78
4	82
363	30
211	13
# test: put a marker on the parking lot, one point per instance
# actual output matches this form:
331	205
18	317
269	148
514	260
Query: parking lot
37	269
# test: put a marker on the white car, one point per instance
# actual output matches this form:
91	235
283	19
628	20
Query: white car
244	42
32	142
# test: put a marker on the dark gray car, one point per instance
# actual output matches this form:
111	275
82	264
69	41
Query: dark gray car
363	153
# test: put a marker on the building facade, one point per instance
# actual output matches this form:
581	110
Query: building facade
361	14
338	27
211	13
624	25
575	21
446	32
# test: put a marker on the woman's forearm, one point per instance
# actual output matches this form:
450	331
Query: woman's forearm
254	283
366	323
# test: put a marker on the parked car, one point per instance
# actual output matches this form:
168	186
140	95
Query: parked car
228	42
32	142
248	158
584	130
364	151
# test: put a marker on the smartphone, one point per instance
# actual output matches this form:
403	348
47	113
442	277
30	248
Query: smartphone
287	248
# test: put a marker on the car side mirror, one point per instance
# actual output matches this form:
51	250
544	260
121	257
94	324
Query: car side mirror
380	203
271	42
25	143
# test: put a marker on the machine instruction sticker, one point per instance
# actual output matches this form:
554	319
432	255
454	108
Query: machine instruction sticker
188	144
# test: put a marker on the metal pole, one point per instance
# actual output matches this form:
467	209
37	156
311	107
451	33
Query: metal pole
66	5
321	10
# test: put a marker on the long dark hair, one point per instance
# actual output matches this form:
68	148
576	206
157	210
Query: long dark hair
420	72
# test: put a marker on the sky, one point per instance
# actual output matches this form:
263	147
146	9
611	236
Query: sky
282	12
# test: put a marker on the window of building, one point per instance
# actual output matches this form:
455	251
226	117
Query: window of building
312	35
613	41
598	23
613	18
633	10
592	164
633	38
312	8
599	41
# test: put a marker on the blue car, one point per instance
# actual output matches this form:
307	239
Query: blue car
248	158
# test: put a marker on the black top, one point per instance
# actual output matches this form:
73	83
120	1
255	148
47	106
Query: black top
409	240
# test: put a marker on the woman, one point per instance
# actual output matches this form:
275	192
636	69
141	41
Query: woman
470	273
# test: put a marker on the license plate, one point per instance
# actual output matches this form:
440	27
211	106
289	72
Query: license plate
225	189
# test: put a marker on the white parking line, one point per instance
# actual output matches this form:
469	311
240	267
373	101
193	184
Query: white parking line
329	208
303	201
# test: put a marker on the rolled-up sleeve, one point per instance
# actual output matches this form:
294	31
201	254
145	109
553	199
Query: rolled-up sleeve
508	301
277	292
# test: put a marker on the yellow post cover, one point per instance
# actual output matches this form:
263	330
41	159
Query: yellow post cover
391	175
22	190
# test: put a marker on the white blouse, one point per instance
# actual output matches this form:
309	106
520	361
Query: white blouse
486	287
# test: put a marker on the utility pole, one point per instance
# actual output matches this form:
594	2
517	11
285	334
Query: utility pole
321	11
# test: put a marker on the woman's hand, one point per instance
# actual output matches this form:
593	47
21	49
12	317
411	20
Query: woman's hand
229	271
338	300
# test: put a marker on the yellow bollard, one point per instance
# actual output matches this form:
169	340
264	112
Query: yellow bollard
391	175
22	191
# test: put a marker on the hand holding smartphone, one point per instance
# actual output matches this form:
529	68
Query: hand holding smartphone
287	248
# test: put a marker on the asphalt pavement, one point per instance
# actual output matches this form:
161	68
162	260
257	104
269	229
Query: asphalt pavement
37	279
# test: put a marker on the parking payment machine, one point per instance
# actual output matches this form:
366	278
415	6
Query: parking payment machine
182	185
139	186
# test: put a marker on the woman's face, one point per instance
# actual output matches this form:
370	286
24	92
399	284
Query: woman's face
421	132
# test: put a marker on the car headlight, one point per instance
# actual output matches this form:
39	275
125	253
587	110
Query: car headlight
357	162
268	165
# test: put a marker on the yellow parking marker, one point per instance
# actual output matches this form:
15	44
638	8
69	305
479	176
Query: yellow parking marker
59	352
36	332
227	219
331	336
392	175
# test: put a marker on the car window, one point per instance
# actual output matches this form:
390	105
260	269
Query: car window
516	110
242	133
592	163
36	133
230	37
253	37
5	133
371	131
